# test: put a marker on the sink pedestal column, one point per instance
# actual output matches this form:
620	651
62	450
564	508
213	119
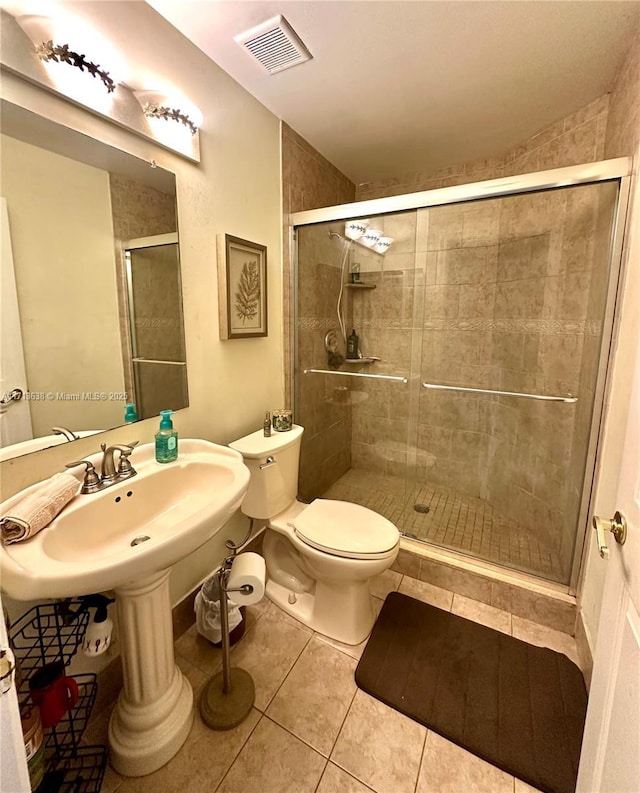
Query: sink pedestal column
154	712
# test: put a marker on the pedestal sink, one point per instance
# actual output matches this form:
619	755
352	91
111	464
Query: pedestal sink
126	538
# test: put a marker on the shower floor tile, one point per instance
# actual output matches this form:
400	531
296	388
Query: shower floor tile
452	520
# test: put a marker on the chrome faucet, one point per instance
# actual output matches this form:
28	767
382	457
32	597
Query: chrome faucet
68	434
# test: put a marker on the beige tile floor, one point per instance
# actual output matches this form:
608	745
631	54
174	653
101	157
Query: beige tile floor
455	521
311	730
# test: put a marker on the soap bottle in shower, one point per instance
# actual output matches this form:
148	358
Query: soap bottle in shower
352	345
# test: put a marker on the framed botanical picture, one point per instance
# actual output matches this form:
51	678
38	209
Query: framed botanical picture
242	288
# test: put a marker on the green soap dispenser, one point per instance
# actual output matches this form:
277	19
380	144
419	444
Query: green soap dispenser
166	439
130	413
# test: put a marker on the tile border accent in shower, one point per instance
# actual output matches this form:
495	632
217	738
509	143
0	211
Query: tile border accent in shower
546	327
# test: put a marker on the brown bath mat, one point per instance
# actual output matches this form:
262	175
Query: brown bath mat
520	707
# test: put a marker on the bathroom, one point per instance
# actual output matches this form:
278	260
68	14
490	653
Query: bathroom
243	148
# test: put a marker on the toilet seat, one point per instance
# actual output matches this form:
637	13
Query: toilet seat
341	528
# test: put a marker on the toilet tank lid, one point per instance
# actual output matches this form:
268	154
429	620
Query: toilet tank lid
345	528
256	445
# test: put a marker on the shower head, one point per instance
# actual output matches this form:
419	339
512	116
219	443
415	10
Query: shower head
339	236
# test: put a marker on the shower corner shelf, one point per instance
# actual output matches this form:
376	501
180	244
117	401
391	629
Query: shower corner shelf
360	285
373	359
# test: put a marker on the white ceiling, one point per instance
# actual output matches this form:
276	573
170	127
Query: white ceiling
398	87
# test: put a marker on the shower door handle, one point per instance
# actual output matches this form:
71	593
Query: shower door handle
617	526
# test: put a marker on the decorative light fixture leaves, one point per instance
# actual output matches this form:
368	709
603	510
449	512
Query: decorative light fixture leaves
160	111
248	294
60	53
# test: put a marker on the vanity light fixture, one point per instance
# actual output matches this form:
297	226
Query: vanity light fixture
46	37
160	111
41	49
60	53
156	105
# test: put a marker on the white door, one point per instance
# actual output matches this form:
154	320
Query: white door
610	759
15	418
14	776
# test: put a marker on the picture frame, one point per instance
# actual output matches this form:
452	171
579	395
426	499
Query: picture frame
242	288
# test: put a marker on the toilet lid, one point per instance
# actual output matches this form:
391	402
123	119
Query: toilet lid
345	529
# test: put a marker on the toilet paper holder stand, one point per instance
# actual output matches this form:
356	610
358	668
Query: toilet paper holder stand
228	696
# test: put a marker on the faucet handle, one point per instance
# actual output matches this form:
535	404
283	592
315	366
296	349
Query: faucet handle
125	448
91	481
125	469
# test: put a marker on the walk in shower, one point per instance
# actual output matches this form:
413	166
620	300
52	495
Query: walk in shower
484	319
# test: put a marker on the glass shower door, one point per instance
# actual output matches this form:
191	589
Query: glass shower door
156	328
355	412
514	303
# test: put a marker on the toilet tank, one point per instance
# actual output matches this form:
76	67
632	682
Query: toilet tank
273	486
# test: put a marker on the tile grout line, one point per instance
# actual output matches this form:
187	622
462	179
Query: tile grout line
233	762
297	658
422	753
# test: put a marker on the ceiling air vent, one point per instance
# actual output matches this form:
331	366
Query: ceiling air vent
275	45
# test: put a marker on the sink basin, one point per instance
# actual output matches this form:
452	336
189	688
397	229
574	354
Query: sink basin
126	538
129	530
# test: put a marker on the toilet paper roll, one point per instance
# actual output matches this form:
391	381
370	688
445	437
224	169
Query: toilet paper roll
247	569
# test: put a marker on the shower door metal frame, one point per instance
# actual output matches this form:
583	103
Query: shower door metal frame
618	170
137	244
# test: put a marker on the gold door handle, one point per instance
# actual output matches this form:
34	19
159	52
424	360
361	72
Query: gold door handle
617	526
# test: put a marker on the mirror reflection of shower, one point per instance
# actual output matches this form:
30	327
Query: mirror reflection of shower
157	347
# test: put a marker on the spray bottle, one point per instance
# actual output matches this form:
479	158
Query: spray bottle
97	636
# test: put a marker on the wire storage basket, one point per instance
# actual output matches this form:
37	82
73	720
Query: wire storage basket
45	634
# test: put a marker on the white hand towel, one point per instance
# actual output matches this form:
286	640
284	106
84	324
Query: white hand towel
38	507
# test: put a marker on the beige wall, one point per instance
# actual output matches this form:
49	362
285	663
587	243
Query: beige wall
59	210
235	189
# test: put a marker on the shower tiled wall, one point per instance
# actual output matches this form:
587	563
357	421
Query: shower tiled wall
309	181
383	317
575	139
323	407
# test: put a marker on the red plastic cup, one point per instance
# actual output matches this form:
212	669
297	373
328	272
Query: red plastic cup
53	692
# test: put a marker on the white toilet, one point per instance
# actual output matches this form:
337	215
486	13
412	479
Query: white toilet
319	556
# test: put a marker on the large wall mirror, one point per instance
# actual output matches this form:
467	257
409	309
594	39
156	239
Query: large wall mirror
91	290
